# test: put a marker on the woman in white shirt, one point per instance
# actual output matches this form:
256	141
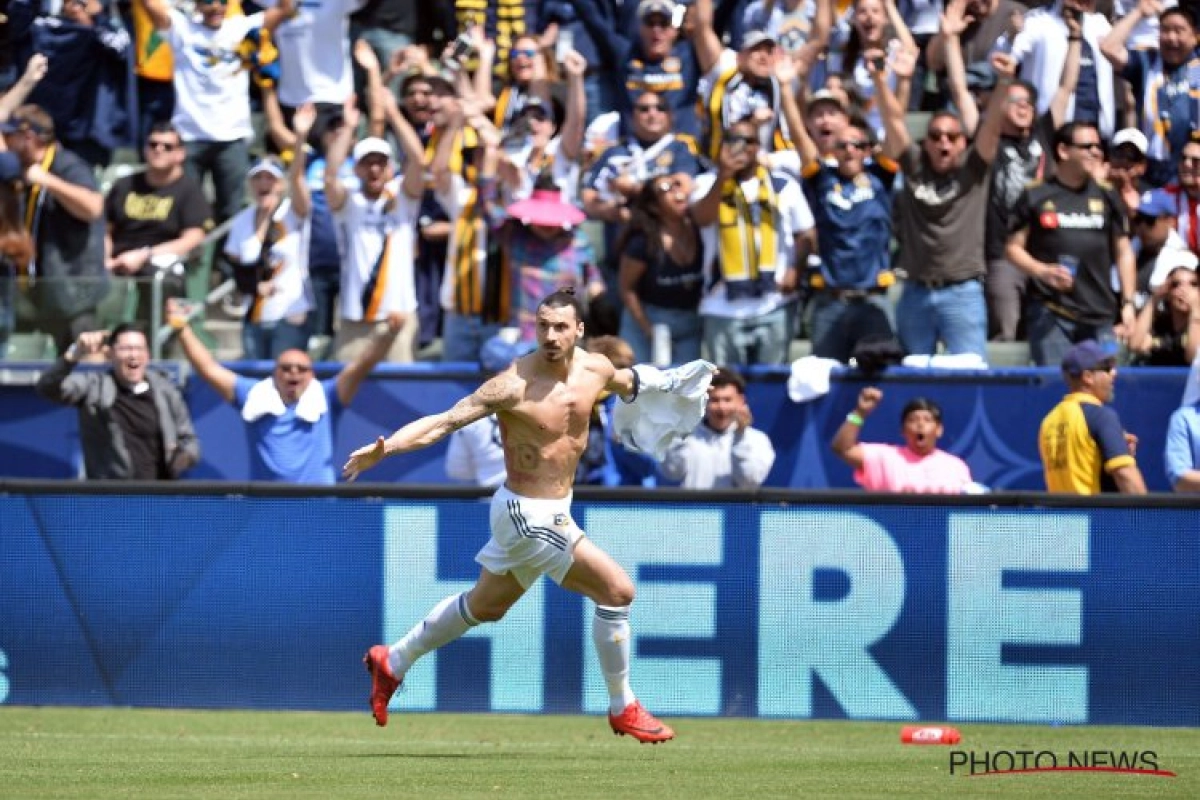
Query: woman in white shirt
268	244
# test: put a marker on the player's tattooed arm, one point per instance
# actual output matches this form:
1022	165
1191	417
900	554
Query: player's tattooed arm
500	392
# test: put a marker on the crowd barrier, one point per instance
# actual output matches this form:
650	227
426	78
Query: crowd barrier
1013	608
991	420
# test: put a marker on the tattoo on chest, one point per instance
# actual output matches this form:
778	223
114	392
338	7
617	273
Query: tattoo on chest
527	457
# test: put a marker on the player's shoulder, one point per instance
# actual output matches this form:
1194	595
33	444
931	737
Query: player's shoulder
597	363
503	389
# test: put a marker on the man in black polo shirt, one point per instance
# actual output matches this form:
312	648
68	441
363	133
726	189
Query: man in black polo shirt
1066	233
133	423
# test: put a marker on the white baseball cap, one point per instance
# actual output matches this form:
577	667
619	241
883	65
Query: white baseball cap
372	145
269	165
1131	136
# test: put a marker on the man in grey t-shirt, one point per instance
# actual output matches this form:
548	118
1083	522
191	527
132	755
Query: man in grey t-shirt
939	216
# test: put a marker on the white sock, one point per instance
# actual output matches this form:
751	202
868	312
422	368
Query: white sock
610	633
447	621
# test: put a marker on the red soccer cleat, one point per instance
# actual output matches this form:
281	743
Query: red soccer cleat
383	683
640	724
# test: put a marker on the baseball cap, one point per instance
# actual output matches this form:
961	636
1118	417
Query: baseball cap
1088	355
372	145
438	83
10	167
1130	136
17	123
1156	203
753	39
269	165
1170	259
664	7
825	96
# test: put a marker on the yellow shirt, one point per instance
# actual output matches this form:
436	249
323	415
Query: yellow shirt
1082	443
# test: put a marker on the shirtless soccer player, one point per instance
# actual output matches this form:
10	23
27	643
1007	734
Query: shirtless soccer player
543	401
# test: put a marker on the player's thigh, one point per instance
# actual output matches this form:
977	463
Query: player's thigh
595	575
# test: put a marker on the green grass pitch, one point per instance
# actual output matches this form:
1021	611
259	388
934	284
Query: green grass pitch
166	754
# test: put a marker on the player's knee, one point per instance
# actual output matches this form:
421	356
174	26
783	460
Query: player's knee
620	593
489	612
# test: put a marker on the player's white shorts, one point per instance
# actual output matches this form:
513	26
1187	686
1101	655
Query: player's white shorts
530	537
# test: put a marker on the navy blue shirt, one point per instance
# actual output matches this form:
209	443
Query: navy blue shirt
1175	112
1087	91
675	78
854	222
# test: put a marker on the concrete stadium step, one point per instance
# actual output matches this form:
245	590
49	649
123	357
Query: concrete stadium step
227	334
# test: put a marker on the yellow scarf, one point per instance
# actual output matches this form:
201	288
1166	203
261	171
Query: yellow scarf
716	117
747	232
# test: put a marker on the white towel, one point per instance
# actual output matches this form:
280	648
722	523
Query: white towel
658	417
810	378
945	361
264	398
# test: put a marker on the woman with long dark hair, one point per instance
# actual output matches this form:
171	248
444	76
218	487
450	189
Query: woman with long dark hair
16	245
661	272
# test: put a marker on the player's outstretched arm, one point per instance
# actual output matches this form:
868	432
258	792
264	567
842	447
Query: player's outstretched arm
498	394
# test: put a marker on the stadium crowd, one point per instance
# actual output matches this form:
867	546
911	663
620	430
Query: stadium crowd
717	178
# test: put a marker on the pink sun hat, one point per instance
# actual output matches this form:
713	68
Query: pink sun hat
546	207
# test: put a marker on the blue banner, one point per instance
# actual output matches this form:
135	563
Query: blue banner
991	421
963	612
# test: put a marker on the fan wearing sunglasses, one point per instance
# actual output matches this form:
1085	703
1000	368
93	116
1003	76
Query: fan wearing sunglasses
1066	233
159	213
290	416
940	212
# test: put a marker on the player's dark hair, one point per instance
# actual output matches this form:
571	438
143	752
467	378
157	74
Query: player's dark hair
563	298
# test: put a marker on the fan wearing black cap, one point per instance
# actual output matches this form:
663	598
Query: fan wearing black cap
1084	448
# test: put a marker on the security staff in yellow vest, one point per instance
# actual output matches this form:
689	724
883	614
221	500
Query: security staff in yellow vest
739	85
757	230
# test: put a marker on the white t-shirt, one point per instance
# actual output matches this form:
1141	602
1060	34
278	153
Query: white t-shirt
475	454
288	257
740	101
212	91
368	226
794	217
314	53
